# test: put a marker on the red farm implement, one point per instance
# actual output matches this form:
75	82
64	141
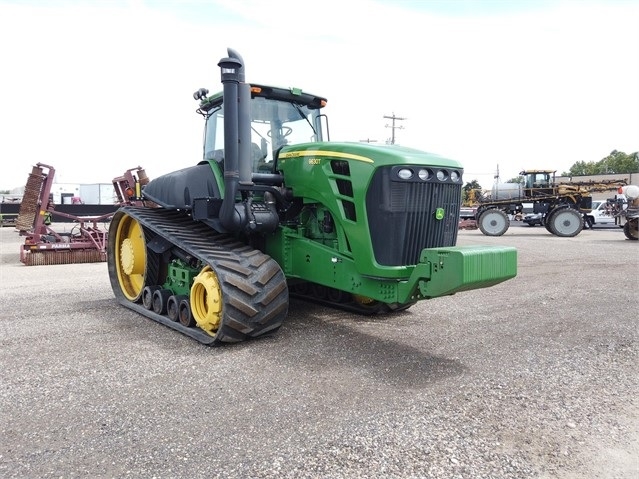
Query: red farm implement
87	240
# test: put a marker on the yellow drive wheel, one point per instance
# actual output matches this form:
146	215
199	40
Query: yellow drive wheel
206	300
130	257
364	300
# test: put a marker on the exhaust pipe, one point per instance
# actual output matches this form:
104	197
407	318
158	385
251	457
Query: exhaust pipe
237	140
244	215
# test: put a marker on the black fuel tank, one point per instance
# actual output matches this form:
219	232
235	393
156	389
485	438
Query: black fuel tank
178	189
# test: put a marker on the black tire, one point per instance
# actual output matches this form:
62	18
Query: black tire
493	222
254	296
184	313
566	223
548	220
631	229
147	296
589	222
173	307
160	300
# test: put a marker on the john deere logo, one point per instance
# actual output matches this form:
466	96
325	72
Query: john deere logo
439	213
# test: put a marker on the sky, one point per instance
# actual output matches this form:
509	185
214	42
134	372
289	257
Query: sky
93	88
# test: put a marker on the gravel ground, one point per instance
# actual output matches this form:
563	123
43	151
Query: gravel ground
534	378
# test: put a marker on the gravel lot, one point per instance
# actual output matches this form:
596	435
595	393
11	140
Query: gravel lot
536	377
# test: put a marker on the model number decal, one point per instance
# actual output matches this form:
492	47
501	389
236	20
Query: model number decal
314	161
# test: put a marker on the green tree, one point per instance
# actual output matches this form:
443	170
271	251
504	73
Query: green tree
616	162
470	192
473	185
516	179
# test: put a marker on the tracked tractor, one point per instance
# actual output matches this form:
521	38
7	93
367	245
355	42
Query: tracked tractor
275	210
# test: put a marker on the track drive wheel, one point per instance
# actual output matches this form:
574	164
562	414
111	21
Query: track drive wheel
131	265
233	301
493	222
566	222
631	229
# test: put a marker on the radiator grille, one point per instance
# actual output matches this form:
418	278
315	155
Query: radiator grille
406	216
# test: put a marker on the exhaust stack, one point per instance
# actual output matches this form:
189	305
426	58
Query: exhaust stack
244	215
237	138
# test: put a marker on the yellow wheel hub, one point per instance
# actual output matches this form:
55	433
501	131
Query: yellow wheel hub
206	300
364	300
130	258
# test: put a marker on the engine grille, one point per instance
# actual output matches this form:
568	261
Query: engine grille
403	217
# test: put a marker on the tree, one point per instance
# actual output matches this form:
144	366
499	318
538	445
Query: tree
617	162
473	185
470	192
516	179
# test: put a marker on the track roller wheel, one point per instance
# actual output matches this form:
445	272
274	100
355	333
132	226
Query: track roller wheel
631	229
184	313
173	306
160	299
566	222
131	265
493	222
147	296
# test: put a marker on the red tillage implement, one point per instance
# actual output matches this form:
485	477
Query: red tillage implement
85	243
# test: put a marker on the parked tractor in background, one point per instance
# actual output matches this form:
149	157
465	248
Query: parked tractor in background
275	209
562	206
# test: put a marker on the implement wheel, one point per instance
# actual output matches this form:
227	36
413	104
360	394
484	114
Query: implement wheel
566	222
493	222
131	265
631	229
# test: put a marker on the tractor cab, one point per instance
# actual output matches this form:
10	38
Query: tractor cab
538	182
278	117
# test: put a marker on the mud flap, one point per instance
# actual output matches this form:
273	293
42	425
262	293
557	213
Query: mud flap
445	271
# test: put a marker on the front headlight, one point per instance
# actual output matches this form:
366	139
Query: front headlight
405	174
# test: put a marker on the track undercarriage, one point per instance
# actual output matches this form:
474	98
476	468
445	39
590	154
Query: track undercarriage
237	292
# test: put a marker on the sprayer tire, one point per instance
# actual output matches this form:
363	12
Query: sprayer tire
493	222
566	222
631	229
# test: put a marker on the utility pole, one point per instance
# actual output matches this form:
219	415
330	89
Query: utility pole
393	127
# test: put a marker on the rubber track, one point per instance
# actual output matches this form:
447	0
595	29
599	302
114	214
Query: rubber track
254	290
346	302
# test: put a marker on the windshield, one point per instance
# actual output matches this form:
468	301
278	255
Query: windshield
274	124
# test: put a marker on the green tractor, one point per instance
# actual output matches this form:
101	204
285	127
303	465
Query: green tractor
274	210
